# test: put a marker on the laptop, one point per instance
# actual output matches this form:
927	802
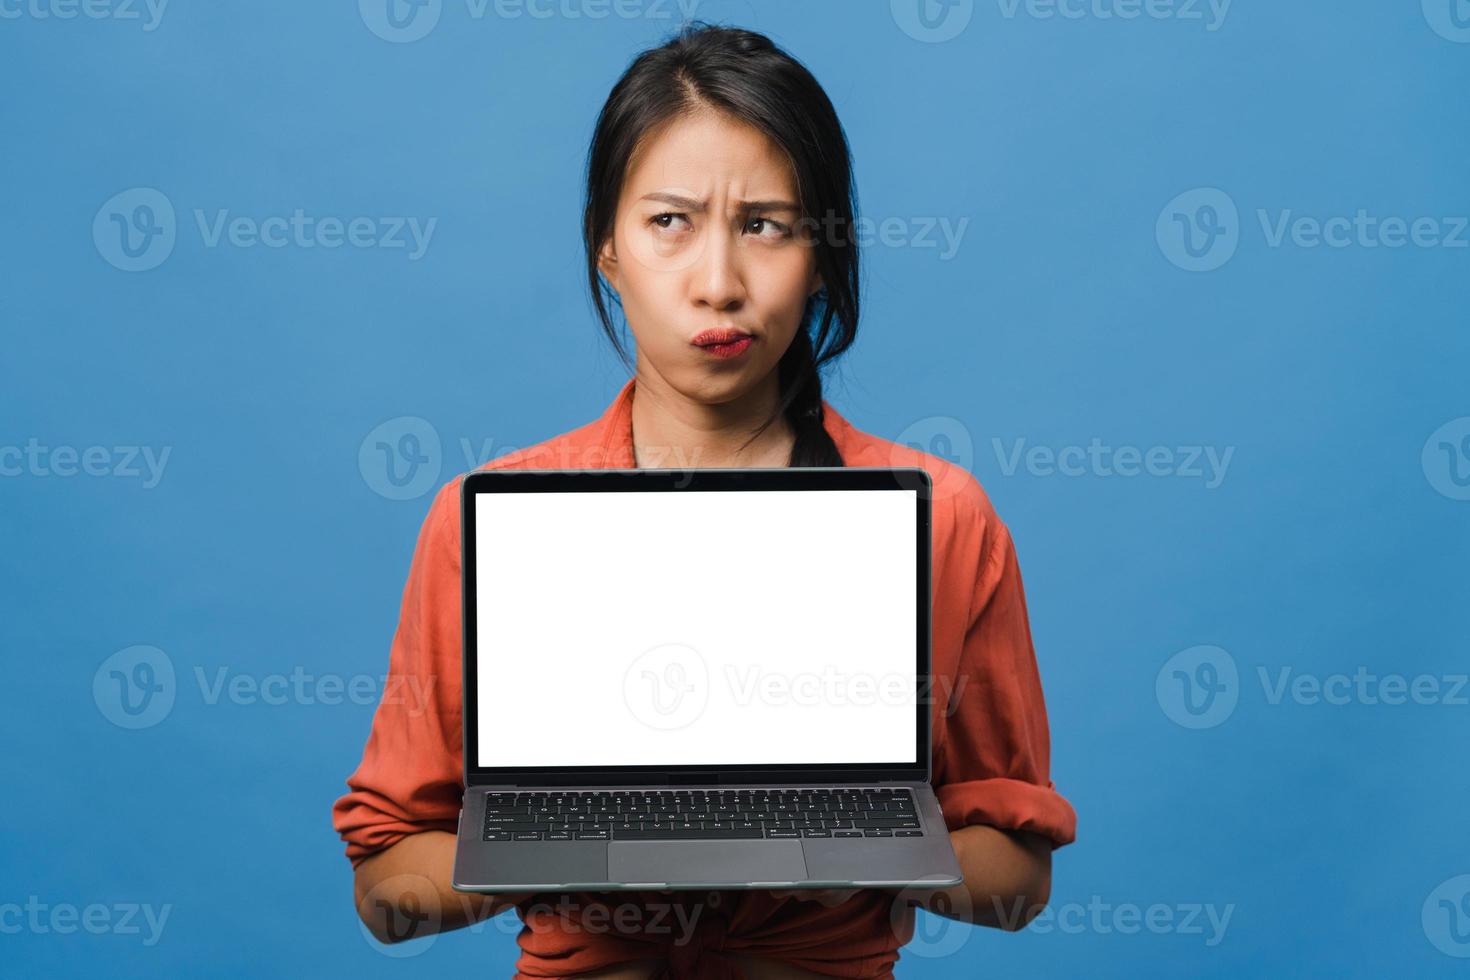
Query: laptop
698	678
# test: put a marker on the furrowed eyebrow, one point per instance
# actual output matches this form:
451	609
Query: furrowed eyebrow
769	206
698	207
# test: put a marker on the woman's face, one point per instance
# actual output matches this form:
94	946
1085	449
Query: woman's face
707	237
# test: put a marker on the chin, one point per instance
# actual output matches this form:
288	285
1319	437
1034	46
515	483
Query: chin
716	388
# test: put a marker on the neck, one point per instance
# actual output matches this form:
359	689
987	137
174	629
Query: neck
673	431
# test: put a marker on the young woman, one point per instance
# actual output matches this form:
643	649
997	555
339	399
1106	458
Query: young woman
719	204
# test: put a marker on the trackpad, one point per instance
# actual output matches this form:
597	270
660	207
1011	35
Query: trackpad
705	861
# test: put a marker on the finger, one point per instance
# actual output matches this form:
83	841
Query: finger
836	896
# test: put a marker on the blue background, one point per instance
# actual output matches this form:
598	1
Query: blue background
266	547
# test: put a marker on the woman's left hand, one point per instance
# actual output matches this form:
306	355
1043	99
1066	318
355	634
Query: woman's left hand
830	897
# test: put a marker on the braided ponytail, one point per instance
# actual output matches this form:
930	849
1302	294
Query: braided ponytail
801	387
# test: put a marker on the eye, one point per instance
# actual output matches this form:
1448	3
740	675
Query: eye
666	220
775	228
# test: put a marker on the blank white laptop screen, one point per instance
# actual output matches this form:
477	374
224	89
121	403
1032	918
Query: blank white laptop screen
696	628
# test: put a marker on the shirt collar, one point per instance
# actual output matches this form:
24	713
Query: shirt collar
617	430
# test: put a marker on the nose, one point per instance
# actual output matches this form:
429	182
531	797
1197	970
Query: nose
718	279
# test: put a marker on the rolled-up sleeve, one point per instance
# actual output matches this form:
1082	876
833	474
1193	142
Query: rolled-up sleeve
410	777
993	755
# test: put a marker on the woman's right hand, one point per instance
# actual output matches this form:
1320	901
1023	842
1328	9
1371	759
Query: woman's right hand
405	891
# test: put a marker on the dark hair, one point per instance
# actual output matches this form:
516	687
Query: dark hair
744	76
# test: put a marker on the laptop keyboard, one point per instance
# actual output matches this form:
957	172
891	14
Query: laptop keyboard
743	814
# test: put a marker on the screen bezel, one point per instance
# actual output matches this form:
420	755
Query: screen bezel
674	481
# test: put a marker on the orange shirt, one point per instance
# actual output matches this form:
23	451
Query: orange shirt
990	739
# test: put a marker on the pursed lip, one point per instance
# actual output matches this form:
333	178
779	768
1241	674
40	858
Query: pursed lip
709	338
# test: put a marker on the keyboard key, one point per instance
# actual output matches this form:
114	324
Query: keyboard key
592	835
908	833
497	835
847	833
559	835
526	835
877	833
675	833
816	833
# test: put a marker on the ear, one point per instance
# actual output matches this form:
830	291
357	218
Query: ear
607	264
